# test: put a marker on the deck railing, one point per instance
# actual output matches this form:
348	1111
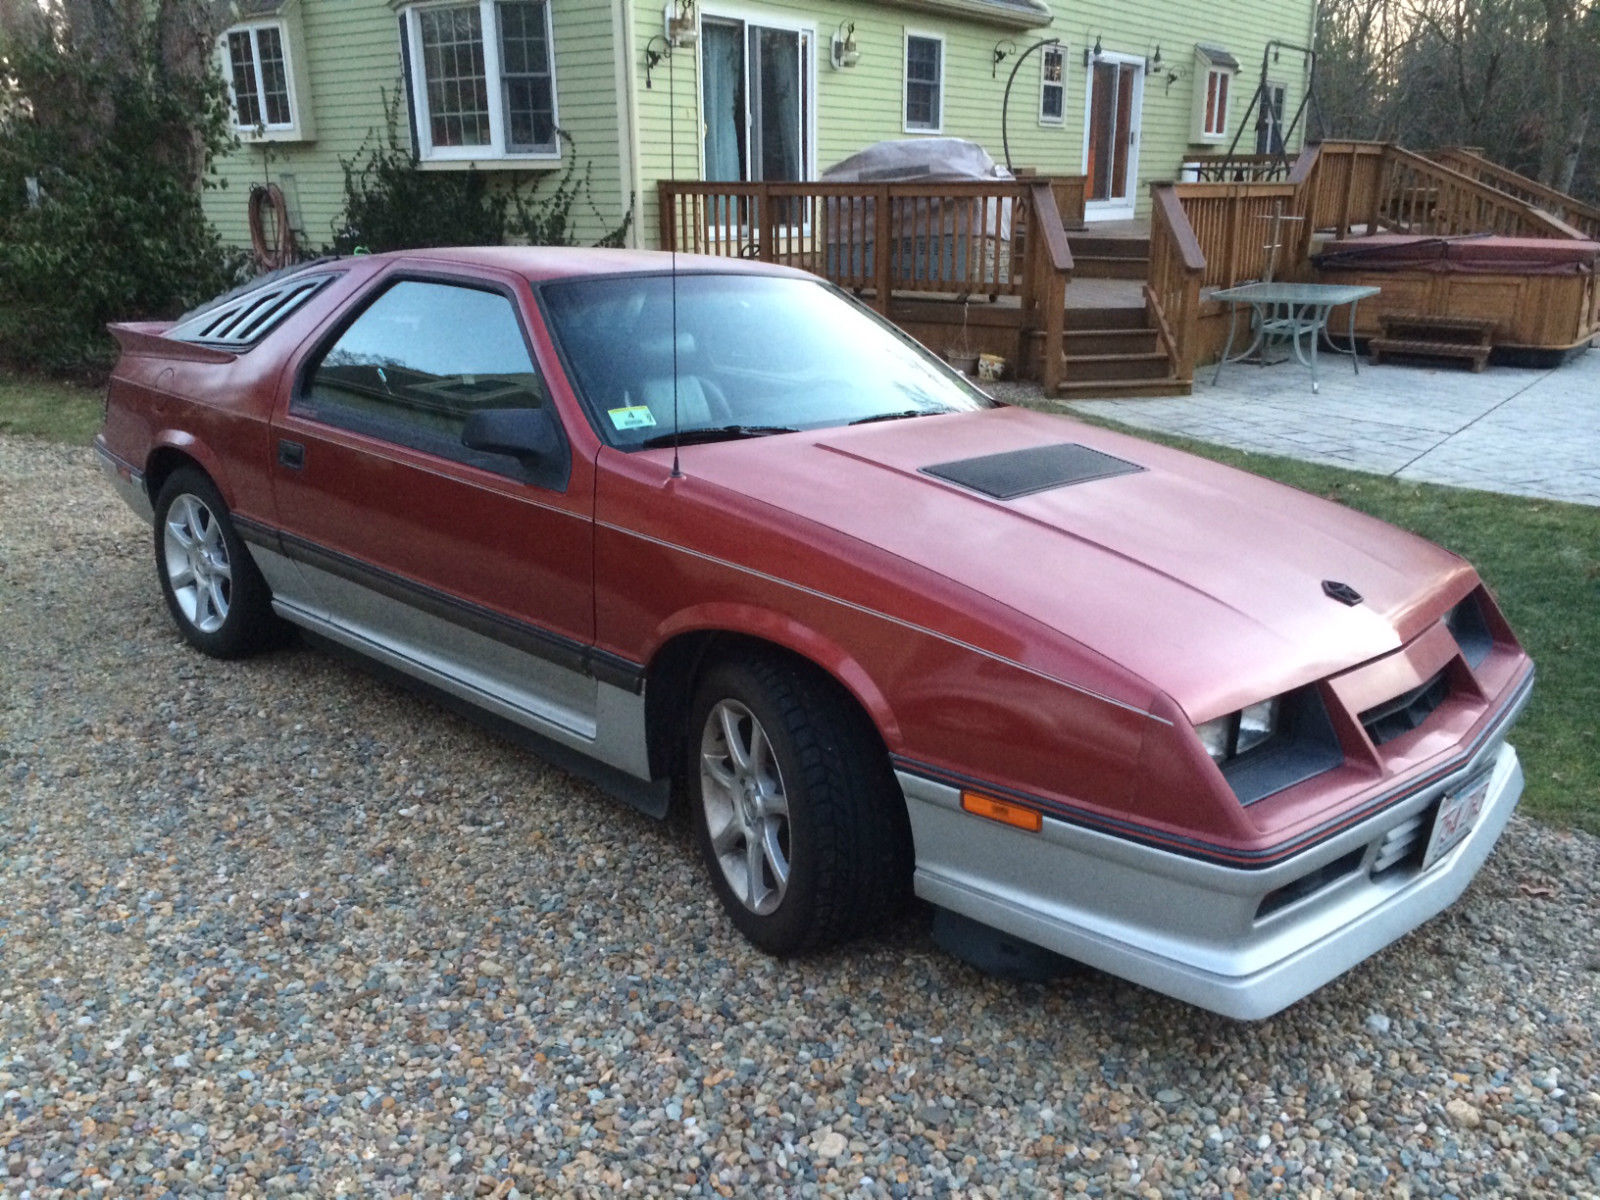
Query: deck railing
1245	230
1218	235
1580	215
981	239
1420	196
1172	291
1236	168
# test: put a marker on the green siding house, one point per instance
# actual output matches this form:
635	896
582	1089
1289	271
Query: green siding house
744	90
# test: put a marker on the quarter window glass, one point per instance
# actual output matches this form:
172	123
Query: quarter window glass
418	361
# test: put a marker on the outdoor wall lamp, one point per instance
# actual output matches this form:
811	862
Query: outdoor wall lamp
683	27
844	52
1089	56
1003	49
1152	62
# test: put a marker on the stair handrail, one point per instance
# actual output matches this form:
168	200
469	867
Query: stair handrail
1578	213
1172	292
1536	222
1049	271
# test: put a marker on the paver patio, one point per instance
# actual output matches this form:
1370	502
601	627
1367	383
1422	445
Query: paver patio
1524	431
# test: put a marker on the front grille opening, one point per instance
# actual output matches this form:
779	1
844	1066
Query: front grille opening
1306	885
1407	711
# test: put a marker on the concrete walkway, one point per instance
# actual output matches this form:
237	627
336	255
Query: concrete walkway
1510	429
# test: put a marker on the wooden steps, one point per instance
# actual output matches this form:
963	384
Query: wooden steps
1419	336
1100	257
1110	353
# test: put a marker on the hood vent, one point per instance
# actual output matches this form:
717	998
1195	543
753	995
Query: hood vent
1038	469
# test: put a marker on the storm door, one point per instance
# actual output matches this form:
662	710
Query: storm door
1111	142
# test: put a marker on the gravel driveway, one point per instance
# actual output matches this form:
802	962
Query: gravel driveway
279	928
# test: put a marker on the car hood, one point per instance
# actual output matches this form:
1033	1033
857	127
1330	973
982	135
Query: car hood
1206	581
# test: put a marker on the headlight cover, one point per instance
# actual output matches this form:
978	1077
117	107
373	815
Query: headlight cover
1238	733
1272	744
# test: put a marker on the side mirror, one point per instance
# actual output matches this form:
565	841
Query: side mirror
526	433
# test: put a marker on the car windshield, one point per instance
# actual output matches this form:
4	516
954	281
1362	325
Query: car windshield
755	354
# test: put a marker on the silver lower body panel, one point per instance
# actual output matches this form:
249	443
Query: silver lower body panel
1196	930
127	482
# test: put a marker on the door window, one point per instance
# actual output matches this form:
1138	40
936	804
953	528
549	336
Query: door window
1269	124
418	361
1113	117
755	87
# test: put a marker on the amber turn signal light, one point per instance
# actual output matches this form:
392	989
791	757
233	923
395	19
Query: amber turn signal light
998	810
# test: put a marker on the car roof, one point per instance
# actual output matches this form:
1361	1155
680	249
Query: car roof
539	263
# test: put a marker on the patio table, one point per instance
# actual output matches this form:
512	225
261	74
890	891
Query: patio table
1295	312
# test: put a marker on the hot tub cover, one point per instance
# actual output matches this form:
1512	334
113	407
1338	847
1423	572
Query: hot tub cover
1465	255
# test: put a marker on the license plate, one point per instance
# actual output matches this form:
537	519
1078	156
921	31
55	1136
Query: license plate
1458	813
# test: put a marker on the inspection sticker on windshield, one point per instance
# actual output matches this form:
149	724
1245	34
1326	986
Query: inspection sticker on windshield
635	417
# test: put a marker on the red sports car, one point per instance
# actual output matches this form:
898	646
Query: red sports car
720	531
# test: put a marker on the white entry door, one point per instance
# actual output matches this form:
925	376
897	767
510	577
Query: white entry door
1114	99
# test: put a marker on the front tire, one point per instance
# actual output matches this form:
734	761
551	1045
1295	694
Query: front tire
799	821
212	586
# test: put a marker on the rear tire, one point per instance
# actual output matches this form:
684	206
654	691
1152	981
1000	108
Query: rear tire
799	820
212	586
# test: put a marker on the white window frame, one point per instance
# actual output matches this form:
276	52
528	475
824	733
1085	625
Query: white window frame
265	129
905	82
1218	129
1060	53
417	90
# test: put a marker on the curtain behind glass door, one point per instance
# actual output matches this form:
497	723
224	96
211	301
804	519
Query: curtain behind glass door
722	85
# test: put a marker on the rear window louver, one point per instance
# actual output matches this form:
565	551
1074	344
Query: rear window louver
243	321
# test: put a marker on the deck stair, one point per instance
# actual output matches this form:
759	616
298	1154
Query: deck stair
1099	255
1112	352
1419	336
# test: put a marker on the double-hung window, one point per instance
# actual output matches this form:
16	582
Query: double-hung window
258	78
1052	86
924	107
1213	83
482	80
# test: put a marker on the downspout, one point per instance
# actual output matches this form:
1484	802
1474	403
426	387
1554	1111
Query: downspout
1309	82
629	168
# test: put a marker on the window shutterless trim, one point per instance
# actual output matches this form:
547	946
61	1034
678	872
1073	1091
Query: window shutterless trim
252	29
414	67
563	651
906	81
1046	83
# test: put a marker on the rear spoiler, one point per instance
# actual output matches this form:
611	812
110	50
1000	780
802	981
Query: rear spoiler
146	339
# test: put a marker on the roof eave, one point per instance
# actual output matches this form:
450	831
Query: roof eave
1014	14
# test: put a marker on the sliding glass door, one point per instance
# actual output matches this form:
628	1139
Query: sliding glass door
755	85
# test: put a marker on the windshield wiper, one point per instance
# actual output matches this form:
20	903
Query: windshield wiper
900	416
721	433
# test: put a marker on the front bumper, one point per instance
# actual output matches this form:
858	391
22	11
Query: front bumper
127	480
1199	931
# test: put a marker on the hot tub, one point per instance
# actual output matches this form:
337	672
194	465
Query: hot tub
1540	293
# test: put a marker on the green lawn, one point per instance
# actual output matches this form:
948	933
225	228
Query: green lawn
62	412
1541	559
